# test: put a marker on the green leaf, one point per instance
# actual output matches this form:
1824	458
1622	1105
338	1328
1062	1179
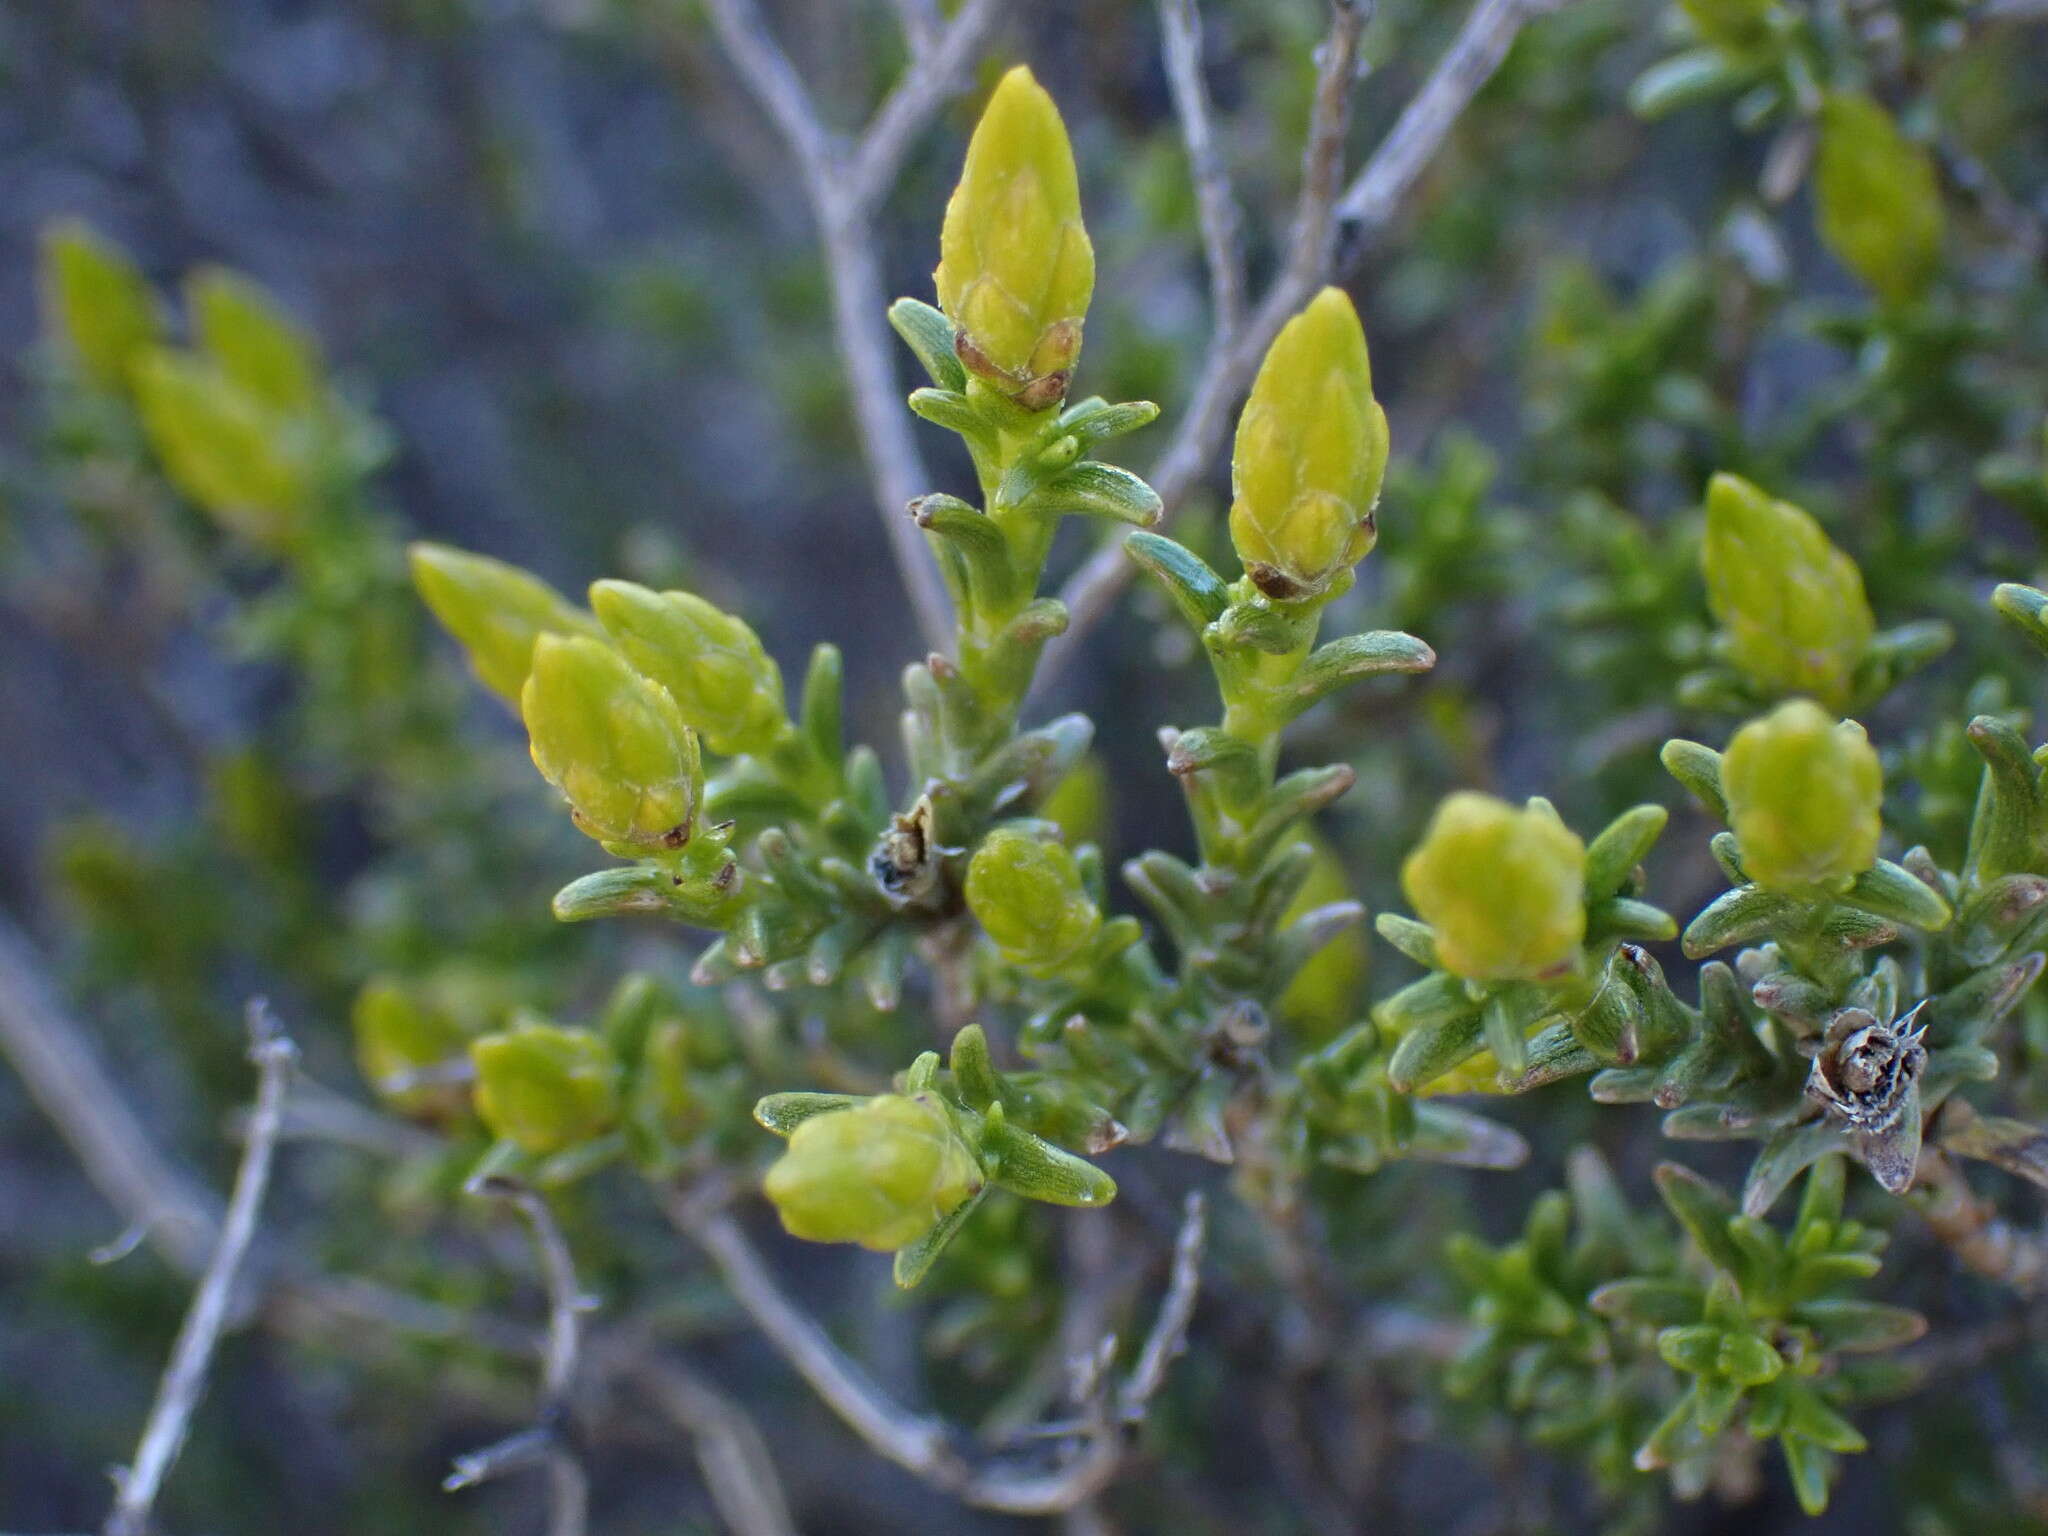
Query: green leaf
1029	1166
1704	1211
1197	591
929	334
784	1112
1097	490
913	1262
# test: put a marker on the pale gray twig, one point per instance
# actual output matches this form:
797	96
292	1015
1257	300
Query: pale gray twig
58	1068
546	1441
48	1050
1478	50
730	1453
929	1446
184	1378
1180	23
1364	207
845	185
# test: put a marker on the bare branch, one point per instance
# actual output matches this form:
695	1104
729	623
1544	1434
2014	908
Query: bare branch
1169	1335
1215	201
1232	359
1971	1228
70	1087
545	1442
730	1453
929	1446
1366	206
843	190
932	78
1371	200
774	83
920	19
184	1379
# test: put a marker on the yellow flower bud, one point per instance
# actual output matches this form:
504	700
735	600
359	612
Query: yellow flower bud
1028	896
1503	889
1015	267
254	342
1311	453
97	303
398	1034
545	1088
1878	198
221	447
711	663
881	1173
612	741
1790	602
1737	26
1805	793
494	610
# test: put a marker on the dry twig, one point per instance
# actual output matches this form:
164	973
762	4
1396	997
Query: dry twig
184	1378
845	185
928	1446
1324	208
546	1441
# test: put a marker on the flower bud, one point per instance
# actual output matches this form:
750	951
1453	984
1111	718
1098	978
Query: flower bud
98	303
1804	793
881	1173
1503	889
1790	602
1028	896
254	343
612	741
397	1036
545	1088
495	611
1878	199
711	663
221	447
1740	27
1015	267
1310	455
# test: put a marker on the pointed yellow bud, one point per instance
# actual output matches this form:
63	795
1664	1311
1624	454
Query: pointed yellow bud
1805	799
1015	267
221	447
1503	889
613	742
97	303
494	610
1311	453
881	1173
262	349
1878	198
711	663
1790	602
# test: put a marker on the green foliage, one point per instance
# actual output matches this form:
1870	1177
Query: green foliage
1615	572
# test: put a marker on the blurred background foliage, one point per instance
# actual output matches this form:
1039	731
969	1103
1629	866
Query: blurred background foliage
569	310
